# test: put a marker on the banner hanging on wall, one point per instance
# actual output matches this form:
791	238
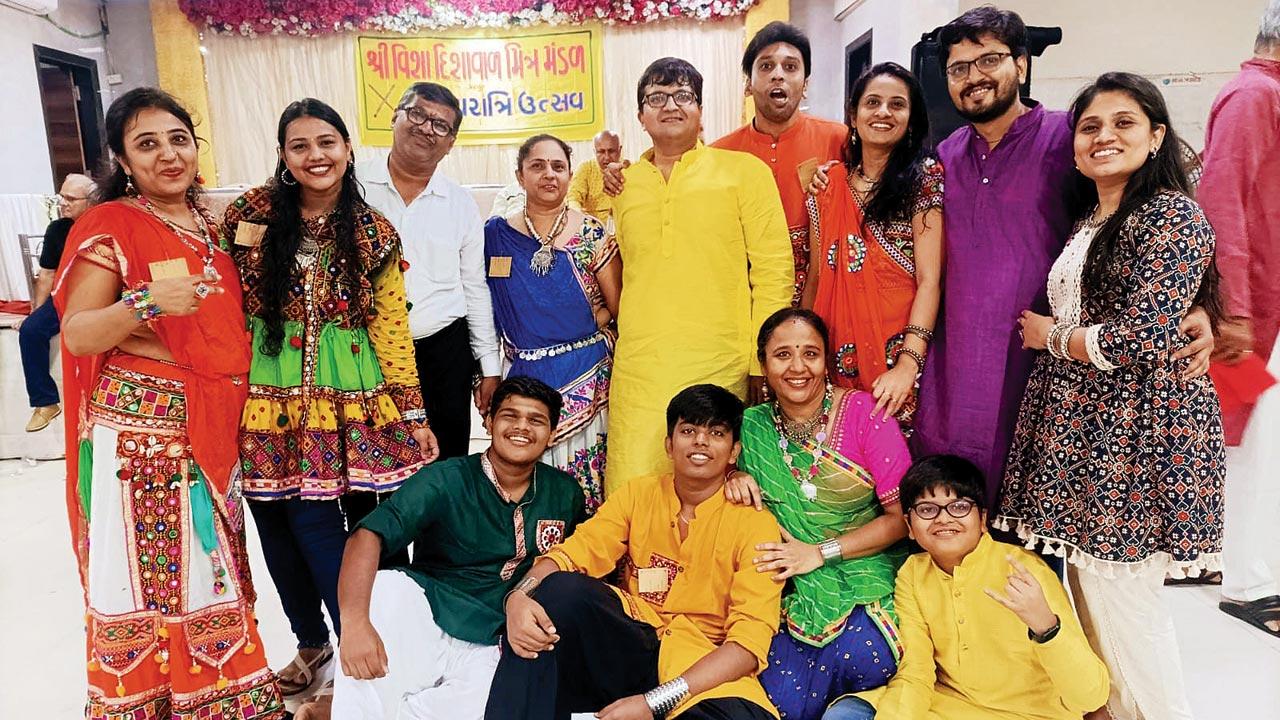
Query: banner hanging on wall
511	83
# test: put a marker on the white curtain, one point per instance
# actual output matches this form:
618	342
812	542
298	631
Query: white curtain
20	214
251	80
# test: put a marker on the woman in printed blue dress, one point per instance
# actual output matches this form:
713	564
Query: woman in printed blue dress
555	279
1117	461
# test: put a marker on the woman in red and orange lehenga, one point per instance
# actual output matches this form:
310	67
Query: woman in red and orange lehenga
155	356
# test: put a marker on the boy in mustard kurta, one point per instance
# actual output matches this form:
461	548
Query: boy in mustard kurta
988	630
689	628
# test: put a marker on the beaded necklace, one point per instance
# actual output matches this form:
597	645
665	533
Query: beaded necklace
202	232
542	260
807	486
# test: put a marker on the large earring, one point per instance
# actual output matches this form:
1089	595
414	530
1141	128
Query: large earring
129	189
199	178
1153	153
287	178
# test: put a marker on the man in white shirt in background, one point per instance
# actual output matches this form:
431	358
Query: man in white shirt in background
450	315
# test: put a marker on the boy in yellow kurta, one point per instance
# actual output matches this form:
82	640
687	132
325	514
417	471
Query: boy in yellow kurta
688	630
705	259
987	627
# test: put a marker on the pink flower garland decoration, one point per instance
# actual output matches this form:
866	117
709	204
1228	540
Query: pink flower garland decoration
318	17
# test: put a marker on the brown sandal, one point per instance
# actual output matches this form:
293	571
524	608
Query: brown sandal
306	671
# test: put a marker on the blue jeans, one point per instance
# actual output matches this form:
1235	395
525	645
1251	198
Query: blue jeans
37	330
850	708
302	543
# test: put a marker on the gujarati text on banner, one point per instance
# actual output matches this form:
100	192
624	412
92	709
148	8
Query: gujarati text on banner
511	83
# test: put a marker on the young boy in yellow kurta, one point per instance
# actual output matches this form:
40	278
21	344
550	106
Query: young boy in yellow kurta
988	630
689	628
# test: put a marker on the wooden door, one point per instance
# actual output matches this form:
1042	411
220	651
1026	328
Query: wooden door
61	100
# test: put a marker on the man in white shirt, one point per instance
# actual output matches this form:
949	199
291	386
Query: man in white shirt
450	315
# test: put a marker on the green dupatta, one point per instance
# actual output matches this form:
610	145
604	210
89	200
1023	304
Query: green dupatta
819	602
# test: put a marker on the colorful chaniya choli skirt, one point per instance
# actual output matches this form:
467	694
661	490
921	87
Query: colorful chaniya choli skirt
321	419
170	625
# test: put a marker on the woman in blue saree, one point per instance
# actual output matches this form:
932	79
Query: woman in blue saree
555	279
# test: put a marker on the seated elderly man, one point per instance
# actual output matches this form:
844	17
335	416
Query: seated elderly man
421	641
688	629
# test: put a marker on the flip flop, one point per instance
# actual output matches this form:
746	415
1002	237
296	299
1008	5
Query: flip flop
307	669
1205	578
1256	612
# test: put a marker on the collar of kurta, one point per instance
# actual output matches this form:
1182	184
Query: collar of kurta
1270	67
974	561
797	127
703	509
691	155
487	468
1027	121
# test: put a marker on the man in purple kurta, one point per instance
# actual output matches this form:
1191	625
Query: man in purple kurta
1006	220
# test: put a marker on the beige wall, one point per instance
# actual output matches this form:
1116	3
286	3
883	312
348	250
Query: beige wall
1157	38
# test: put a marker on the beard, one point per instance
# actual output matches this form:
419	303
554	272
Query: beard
1005	98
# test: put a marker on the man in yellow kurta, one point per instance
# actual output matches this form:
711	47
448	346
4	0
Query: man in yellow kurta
687	631
987	627
586	190
705	259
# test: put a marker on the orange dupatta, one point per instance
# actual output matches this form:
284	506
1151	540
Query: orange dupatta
211	349
863	295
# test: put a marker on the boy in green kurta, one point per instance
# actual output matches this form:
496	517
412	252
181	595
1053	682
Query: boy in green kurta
421	641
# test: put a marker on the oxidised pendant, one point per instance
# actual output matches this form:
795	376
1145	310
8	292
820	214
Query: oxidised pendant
542	260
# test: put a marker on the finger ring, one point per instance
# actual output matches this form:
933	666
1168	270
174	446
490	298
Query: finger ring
202	291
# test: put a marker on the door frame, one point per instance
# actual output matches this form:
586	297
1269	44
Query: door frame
84	73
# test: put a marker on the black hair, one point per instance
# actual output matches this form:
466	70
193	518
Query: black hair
947	472
528	387
435	93
111	178
1005	26
284	231
669	71
774	321
893	198
776	32
706	405
1164	172
526	147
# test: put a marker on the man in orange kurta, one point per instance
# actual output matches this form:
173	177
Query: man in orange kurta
791	143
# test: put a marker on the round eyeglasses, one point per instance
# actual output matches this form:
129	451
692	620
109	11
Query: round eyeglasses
930	510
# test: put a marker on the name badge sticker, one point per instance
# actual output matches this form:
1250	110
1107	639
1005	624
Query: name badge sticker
249	234
653	580
500	266
162	269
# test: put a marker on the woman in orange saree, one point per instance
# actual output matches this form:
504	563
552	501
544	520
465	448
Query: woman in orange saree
876	239
155	358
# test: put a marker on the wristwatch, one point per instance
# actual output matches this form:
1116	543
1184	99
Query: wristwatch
1048	635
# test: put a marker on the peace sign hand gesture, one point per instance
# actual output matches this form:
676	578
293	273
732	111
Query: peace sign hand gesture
1025	598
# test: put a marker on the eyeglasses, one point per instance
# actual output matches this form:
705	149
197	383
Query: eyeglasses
418	116
658	100
930	510
68	199
986	63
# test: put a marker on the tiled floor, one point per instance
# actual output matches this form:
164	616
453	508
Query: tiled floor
1233	670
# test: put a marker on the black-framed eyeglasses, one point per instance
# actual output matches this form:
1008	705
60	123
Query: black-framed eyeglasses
930	510
418	116
658	99
985	64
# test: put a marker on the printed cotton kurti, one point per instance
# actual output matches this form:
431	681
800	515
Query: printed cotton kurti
1118	463
808	138
969	658
1005	220
712	593
705	259
326	414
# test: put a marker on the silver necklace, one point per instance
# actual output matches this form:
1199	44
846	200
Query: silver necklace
544	257
863	176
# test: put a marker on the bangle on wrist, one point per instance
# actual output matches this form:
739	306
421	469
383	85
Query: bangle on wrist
525	587
830	551
139	300
914	356
664	698
919	331
417	415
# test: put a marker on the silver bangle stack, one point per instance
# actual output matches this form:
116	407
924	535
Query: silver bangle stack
664	698
831	552
415	415
1059	341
